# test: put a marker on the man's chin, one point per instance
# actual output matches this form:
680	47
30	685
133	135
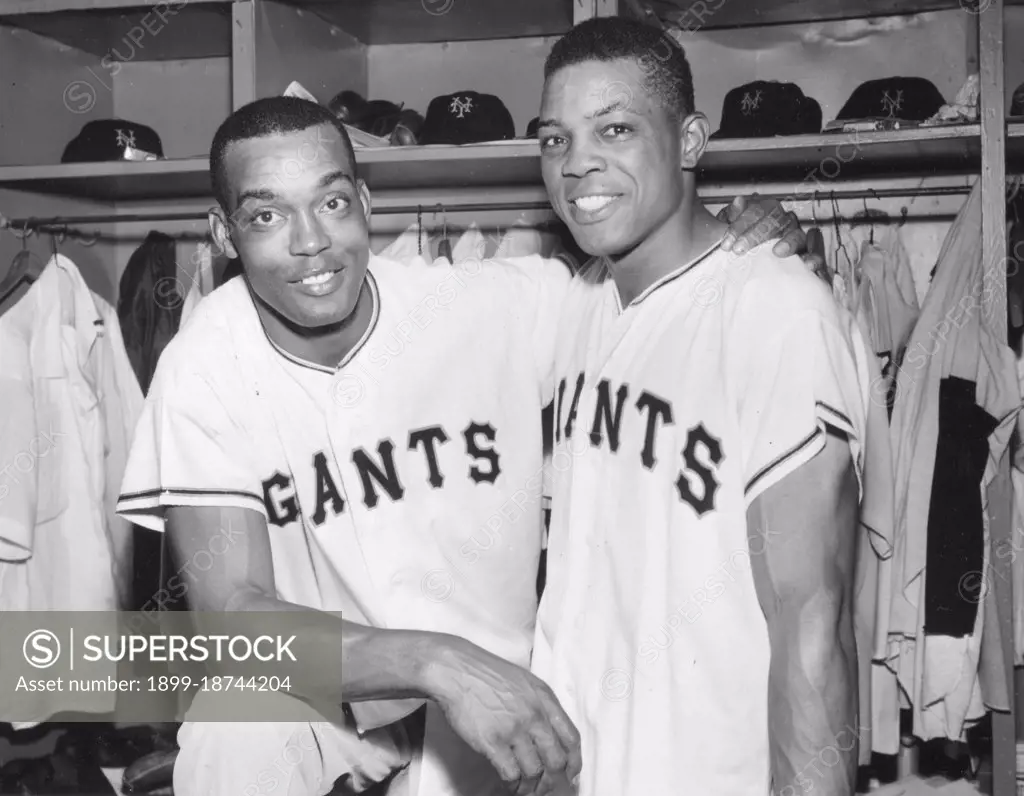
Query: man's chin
597	245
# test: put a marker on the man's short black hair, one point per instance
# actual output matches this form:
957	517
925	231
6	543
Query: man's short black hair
269	116
667	73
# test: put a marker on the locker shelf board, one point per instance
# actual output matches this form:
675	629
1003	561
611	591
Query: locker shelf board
692	15
815	160
165	31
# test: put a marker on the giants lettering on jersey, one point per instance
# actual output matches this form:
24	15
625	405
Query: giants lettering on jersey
377	472
701	454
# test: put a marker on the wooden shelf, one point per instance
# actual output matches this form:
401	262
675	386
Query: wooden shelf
202	29
128	31
694	15
824	158
114	182
408	21
815	161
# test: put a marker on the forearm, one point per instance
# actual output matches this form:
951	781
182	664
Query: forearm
375	664
812	711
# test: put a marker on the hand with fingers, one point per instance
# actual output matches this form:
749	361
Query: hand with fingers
555	783
506	714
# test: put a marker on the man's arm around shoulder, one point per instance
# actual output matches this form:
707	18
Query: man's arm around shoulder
804	580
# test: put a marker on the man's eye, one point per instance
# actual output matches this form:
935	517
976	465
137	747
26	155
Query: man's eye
551	141
336	203
264	217
618	129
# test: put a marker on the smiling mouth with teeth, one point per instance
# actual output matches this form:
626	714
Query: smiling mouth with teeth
592	203
318	279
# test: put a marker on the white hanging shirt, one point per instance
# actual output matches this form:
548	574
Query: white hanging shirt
202	282
70	402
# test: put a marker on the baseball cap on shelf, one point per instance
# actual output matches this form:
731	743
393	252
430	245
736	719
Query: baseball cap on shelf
531	128
766	108
909	99
466	117
113	139
1017	103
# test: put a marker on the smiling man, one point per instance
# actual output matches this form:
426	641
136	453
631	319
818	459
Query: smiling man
697	620
347	487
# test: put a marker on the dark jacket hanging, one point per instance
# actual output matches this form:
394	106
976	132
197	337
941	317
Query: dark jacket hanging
149	304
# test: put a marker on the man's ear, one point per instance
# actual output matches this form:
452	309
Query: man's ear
220	228
693	140
364	197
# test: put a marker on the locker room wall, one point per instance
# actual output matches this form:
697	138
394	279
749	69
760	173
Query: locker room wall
827	60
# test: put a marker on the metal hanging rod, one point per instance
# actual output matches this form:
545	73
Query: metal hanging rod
57	224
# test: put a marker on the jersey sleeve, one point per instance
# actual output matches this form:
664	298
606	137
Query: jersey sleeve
792	384
546	285
187	451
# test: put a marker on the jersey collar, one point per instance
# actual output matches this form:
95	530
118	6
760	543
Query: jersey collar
375	299
672	276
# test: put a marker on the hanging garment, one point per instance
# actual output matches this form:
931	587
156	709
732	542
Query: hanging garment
149	304
874	561
202	282
956	402
1017	562
471	246
885	267
521	241
993	674
405	247
70	402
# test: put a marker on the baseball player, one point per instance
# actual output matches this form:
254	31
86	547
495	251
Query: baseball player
332	432
696	623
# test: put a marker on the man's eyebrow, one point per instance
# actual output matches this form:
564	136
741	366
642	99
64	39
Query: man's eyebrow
334	176
615	107
267	195
258	194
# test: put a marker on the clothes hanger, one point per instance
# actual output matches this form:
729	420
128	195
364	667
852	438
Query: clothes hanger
53	243
20	265
870	215
840	246
419	229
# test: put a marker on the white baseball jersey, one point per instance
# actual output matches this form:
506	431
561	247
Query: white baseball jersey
672	415
407	480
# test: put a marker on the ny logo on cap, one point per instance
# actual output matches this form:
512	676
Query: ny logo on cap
891	104
751	102
461	106
126	139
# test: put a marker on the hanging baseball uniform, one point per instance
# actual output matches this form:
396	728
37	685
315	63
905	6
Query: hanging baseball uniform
879	711
885	267
70	402
956	402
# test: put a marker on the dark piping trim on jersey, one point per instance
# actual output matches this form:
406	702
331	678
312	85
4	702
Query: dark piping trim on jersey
831	416
780	460
838	419
155	494
668	278
375	293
